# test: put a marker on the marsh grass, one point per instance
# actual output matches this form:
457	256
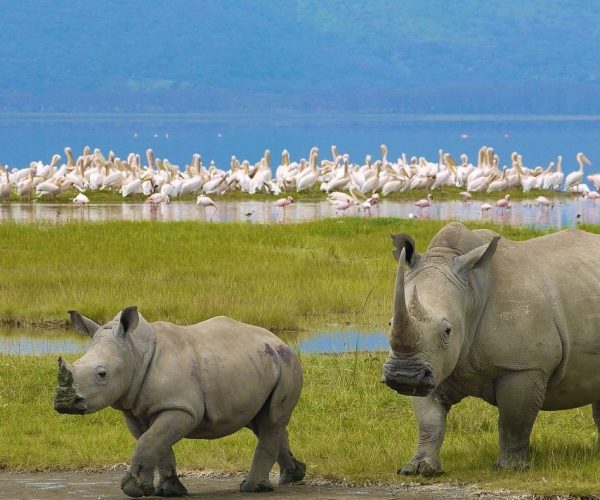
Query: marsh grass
283	277
347	425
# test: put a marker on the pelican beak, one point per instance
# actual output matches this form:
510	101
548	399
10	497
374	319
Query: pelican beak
585	160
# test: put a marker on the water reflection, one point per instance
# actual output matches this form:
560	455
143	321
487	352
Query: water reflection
339	341
523	213
26	341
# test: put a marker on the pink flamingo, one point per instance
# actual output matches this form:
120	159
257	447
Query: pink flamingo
592	195
503	203
466	197
542	201
343	205
485	208
424	203
205	202
284	202
157	198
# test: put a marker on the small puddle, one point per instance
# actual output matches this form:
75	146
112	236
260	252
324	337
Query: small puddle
337	341
26	341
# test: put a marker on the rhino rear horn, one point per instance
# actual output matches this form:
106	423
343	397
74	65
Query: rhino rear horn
404	241
128	321
82	324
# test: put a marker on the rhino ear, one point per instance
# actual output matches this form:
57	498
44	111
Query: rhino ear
82	324
128	321
404	241
478	257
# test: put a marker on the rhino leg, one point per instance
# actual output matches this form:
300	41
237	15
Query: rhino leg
270	429
291	469
431	416
519	397
169	484
596	415
152	447
265	455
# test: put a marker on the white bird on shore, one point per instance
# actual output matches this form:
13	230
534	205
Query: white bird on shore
81	199
574	178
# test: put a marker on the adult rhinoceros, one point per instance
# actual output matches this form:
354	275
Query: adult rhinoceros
514	323
202	381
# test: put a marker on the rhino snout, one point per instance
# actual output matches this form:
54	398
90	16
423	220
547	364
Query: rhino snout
67	400
408	377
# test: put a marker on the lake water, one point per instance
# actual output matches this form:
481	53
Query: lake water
523	213
24	341
27	137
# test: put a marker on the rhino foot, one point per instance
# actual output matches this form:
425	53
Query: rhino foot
512	463
255	486
292	475
420	467
170	487
131	487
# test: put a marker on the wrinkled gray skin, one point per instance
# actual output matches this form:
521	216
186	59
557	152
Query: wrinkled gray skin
202	381
513	323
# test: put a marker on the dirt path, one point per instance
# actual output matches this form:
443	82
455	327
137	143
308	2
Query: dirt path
105	485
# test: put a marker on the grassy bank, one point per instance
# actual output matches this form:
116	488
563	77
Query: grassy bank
346	426
283	277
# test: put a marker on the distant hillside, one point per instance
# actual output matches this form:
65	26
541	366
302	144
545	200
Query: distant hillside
505	56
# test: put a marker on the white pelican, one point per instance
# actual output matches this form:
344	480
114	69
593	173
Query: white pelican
81	199
575	178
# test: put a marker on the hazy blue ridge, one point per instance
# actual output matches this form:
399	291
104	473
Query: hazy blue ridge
509	56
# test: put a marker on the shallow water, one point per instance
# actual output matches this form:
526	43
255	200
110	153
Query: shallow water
25	341
523	213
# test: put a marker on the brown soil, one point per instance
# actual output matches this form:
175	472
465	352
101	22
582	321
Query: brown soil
105	485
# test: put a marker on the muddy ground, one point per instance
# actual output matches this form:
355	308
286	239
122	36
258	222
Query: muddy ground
105	485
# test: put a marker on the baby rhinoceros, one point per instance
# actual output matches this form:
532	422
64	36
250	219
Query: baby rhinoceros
202	381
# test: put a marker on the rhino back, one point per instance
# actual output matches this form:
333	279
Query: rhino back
221	370
541	314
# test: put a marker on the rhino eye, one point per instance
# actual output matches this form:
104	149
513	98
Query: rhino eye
101	374
446	334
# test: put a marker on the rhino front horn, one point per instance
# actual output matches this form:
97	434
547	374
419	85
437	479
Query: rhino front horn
65	373
402	336
400	317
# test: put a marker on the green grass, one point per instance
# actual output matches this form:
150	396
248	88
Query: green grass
283	277
347	425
